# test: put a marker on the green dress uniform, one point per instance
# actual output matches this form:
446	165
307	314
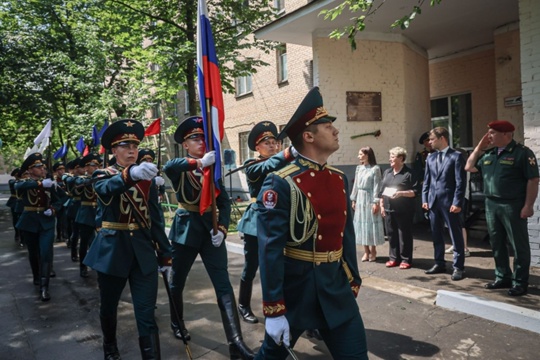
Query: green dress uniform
505	177
72	210
36	226
12	202
190	235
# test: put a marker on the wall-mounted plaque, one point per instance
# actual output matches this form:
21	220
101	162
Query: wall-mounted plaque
364	106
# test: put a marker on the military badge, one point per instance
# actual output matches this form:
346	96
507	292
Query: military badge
269	199
532	161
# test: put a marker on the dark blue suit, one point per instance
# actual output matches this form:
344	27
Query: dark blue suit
444	186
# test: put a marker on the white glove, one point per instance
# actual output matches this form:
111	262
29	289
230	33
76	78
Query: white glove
47	212
47	183
294	152
208	159
144	171
218	238
160	180
165	269
278	327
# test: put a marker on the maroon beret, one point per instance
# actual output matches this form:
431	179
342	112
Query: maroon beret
501	126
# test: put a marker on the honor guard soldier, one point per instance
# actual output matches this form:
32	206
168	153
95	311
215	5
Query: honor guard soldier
510	174
262	139
42	199
307	250
192	234
130	236
86	216
19	205
74	206
12	202
59	170
148	155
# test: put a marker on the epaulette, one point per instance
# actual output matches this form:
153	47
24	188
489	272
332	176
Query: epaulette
334	169
287	170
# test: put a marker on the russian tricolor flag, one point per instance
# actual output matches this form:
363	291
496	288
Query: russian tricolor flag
211	98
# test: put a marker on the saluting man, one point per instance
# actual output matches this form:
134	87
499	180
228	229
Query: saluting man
307	249
131	235
192	234
42	199
262	139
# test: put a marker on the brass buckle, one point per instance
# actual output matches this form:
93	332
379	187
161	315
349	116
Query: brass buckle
132	226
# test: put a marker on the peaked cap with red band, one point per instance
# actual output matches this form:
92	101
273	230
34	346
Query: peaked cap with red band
121	132
310	111
260	132
146	155
501	126
189	128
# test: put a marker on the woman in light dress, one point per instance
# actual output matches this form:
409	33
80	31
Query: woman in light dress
368	224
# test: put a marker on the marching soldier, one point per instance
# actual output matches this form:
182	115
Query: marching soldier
307	251
19	205
12	202
86	216
262	139
59	170
74	206
131	242
192	234
42	199
149	155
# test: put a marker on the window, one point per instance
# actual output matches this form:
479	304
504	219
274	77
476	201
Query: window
245	152
455	114
279	5
281	53
243	85
156	111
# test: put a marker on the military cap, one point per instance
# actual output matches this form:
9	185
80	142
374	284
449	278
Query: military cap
122	132
15	172
260	132
58	165
189	128
33	160
423	138
310	111
90	159
501	126
146	155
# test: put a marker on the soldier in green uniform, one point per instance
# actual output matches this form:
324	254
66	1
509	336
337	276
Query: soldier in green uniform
74	206
131	242
510	174
42	199
262	139
307	250
86	216
58	172
149	155
192	234
12	201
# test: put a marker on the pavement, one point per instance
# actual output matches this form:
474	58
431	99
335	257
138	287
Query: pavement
407	314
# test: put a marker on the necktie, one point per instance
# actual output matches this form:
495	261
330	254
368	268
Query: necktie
439	160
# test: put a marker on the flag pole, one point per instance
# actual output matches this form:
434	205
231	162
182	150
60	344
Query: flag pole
210	147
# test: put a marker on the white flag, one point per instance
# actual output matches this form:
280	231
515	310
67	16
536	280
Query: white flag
44	134
29	151
43	145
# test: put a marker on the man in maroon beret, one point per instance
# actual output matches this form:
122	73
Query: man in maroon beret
510	175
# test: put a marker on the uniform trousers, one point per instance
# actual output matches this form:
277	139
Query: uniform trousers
214	260
345	342
505	224
143	293
40	244
251	257
87	234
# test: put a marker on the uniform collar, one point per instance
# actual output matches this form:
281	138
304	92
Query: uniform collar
312	164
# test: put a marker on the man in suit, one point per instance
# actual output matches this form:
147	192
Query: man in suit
307	250
443	192
131	242
192	234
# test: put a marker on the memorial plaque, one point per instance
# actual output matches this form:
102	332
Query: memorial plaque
364	106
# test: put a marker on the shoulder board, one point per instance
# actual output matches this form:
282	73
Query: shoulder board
287	170
331	168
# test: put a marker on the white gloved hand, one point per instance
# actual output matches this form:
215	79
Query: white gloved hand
48	212
144	171
294	152
165	269
278	329
208	159
160	181
218	238
47	183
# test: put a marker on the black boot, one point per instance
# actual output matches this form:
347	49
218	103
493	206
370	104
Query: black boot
34	265
315	334
244	302
83	271
110	349
231	323
150	347
175	326
44	283
74	256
